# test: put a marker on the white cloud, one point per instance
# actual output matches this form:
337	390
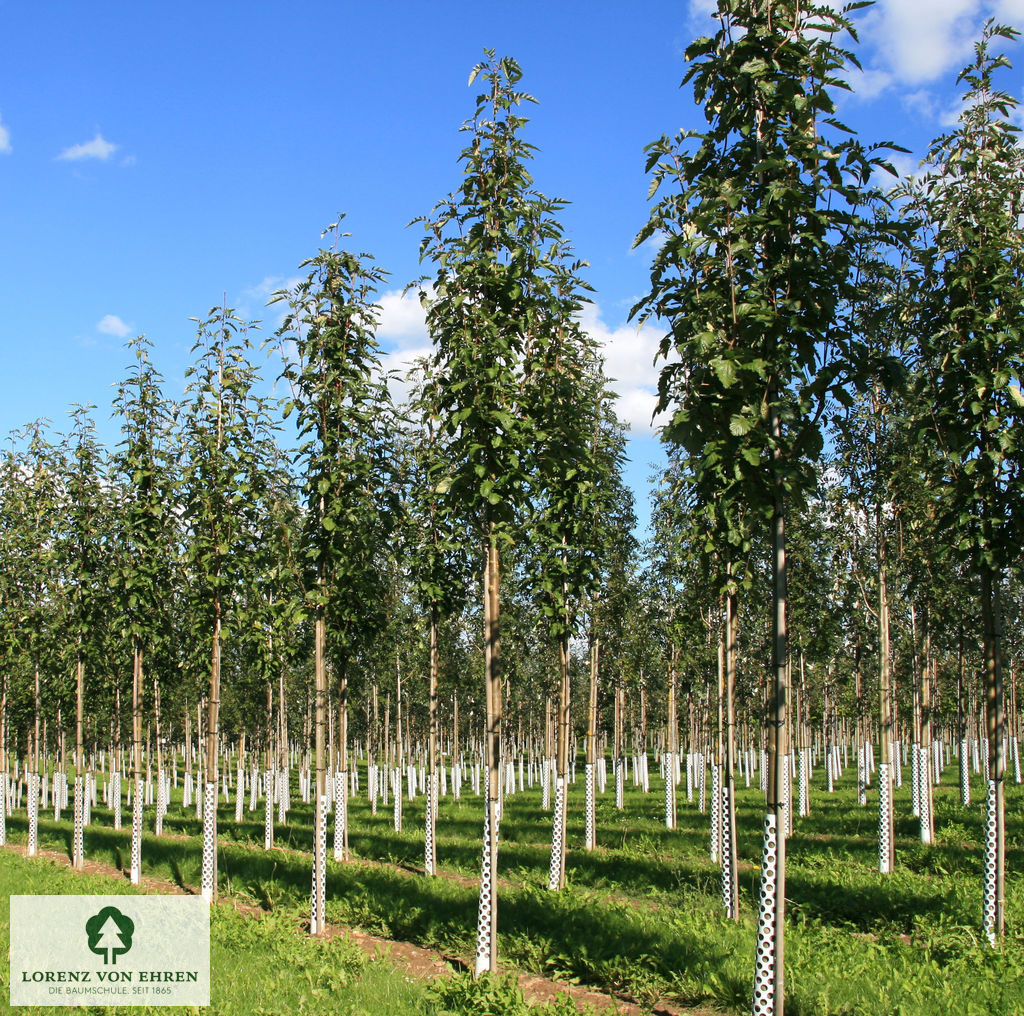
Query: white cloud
628	353
111	324
1011	11
629	363
926	104
907	167
263	291
920	42
5	140
702	9
869	83
252	304
402	319
98	148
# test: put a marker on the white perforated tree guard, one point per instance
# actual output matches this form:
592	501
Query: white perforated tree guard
340	814
702	779
884	818
268	809
430	821
804	777
766	976
318	888
161	798
78	835
965	774
729	887
670	795
485	911
136	870
924	796
988	902
209	873
716	812
33	814
589	807
557	835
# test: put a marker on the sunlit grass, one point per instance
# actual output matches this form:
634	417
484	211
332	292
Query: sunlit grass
642	916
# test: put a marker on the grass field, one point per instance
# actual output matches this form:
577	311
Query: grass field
642	915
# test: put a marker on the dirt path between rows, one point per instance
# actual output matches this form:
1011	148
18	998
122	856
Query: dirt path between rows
411	959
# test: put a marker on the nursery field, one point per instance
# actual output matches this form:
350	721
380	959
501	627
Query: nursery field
641	918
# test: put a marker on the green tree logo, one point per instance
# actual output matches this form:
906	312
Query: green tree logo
110	933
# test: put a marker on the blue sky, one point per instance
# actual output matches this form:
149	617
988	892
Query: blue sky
155	159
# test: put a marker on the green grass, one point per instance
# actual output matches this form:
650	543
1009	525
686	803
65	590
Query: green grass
260	966
642	915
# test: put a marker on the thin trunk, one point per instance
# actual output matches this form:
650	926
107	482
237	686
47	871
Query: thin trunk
556	873
487	916
78	837
994	896
317	923
209	870
341	777
886	838
730	875
591	794
430	829
769	980
136	842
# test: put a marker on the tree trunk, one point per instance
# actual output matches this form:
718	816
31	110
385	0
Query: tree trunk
78	836
769	981
430	813
318	902
994	895
730	877
556	872
671	742
487	914
209	871
591	789
161	797
341	777
886	839
136	847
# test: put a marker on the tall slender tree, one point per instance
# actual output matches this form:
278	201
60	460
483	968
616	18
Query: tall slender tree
86	519
496	247
226	428
752	278
971	357
344	418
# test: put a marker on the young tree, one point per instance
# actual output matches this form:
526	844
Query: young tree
971	358
86	522
228	435
435	562
752	279
142	466
344	418
31	506
497	251
576	467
